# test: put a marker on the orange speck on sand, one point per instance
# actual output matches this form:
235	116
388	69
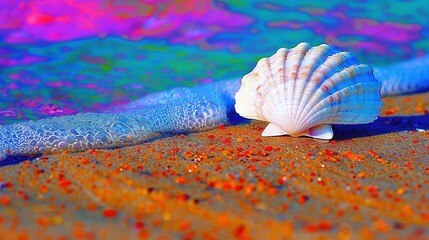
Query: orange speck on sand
330	153
321	226
183	197
5	200
381	226
43	189
43	221
423	216
325	225
373	153
391	111
240	231
400	191
268	148
372	189
180	180
64	183
25	197
91	206
144	234
381	160
139	225
302	199
353	156
84	161
272	191
184	225
8	185
406	211
361	175
223	219
109	213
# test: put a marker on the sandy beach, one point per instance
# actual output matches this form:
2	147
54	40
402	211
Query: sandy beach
231	183
66	57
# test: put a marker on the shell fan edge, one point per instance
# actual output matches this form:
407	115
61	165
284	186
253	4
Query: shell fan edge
303	90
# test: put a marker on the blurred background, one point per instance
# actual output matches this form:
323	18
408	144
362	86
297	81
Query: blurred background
61	57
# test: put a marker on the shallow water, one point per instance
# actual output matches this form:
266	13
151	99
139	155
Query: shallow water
61	58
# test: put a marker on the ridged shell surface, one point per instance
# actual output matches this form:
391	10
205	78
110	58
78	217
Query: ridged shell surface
301	88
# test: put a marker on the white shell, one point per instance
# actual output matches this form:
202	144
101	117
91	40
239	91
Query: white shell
303	90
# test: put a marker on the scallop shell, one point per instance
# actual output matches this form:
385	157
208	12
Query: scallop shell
301	91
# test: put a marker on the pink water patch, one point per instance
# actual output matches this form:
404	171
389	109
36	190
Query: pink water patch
94	60
52	20
206	80
32	103
8	113
270	6
385	31
91	86
51	109
30	81
14	76
6	61
12	86
136	86
390	31
55	84
342	26
80	77
120	69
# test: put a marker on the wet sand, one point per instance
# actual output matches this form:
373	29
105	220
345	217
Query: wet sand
371	181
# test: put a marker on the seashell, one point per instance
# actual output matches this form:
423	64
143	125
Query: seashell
302	91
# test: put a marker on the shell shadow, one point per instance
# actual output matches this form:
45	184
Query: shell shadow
12	160
382	125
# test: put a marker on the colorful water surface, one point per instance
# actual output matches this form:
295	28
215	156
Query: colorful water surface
64	57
